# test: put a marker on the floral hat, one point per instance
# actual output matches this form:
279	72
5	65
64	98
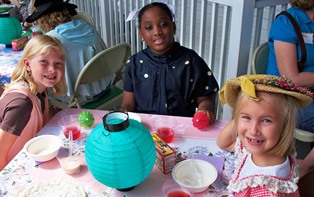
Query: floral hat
249	84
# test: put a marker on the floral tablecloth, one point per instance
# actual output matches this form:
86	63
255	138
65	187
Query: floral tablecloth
23	170
8	61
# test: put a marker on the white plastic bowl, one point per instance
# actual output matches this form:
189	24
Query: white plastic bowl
43	148
183	174
135	116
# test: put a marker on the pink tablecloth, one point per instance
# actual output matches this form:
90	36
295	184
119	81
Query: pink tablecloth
22	171
8	61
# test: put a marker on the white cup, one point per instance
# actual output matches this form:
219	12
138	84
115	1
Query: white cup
71	164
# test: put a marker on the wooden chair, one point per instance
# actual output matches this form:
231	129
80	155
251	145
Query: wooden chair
85	16
306	184
259	65
105	63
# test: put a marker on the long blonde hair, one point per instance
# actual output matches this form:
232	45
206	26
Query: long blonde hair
39	45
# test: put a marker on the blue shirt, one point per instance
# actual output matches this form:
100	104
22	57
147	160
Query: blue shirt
170	83
81	42
282	30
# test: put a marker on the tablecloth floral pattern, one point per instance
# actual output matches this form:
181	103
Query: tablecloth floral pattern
8	61
22	170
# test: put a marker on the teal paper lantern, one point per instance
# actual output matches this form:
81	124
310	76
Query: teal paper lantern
120	153
10	28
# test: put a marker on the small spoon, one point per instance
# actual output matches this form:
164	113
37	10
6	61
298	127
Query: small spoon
194	165
194	180
196	175
70	143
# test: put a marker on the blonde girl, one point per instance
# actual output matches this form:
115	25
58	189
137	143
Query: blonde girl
24	102
261	134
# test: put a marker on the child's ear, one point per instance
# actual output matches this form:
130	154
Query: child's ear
174	28
141	35
26	64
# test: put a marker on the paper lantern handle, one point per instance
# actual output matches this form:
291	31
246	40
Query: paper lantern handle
116	121
4	14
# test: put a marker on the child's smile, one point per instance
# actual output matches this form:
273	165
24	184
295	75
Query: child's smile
254	142
50	77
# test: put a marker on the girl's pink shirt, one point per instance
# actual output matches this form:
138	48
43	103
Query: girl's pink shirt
35	123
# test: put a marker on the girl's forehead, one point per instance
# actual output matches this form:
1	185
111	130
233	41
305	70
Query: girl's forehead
50	52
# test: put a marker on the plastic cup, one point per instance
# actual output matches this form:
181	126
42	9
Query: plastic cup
165	128
71	164
69	123
172	189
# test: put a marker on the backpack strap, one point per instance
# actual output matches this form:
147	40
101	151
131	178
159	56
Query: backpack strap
296	27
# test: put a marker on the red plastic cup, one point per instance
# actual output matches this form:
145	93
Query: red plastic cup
69	123
165	128
171	189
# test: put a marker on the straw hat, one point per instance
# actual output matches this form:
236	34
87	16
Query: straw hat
48	6
267	83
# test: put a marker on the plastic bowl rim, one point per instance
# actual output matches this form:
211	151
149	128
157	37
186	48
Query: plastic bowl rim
35	139
197	160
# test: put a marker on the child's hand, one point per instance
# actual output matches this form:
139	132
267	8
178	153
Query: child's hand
210	115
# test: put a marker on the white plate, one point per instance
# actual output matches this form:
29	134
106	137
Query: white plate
135	116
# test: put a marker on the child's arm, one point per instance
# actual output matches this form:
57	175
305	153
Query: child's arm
227	137
206	104
6	140
128	101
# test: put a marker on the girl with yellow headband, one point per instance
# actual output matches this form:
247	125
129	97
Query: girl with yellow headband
261	134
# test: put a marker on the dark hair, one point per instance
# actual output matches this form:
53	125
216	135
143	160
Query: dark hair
151	5
303	4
